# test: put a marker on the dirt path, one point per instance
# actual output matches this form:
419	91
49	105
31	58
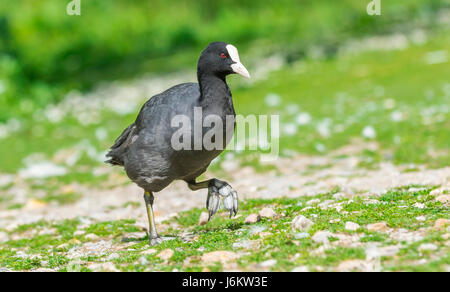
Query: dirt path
294	177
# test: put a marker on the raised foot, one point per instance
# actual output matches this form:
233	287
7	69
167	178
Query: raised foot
155	240
218	190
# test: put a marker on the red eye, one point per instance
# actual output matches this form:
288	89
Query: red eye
223	56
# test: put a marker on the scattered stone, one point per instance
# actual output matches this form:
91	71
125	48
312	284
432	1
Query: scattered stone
301	269
419	205
378	227
3	237
222	256
135	235
402	234
301	235
6	180
371	202
203	218
337	220
339	208
85	222
103	267
357	265
245	244
44	270
440	223
67	189
421	218
322	237
347	240
320	251
312	202
369	132
252	218
257	229
339	196
79	232
34	204
267	213
437	192
427	247
74	241
149	251
21	254
112	256
42	170
444	199
301	223
165	254
415	190
268	263
143	260
325	204
91	236
352	226
374	252
306	208
47	231
90	249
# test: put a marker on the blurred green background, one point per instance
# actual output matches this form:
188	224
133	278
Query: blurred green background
45	52
338	77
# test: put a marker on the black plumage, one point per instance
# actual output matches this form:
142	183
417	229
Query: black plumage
144	149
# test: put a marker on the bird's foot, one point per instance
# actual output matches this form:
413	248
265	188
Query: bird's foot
218	190
155	240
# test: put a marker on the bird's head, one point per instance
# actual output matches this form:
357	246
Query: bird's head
221	59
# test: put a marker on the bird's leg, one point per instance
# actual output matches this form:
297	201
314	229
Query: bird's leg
216	190
152	234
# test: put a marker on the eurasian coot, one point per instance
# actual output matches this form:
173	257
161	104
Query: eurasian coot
146	148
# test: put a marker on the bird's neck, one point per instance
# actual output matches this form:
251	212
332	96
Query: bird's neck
214	92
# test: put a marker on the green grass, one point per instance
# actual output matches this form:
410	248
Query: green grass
347	93
221	233
353	92
119	39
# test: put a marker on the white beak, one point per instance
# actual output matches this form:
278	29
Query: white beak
237	66
240	69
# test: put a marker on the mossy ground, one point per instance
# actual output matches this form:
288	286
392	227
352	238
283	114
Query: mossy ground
52	245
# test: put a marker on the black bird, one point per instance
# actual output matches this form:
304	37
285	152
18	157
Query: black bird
147	150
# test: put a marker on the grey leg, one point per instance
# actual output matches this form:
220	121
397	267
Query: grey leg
216	190
152	234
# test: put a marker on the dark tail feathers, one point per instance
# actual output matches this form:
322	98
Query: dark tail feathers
119	148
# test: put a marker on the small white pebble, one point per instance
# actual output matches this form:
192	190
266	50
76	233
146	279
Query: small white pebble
268	263
420	218
91	236
351	226
369	132
267	213
419	205
312	202
428	246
